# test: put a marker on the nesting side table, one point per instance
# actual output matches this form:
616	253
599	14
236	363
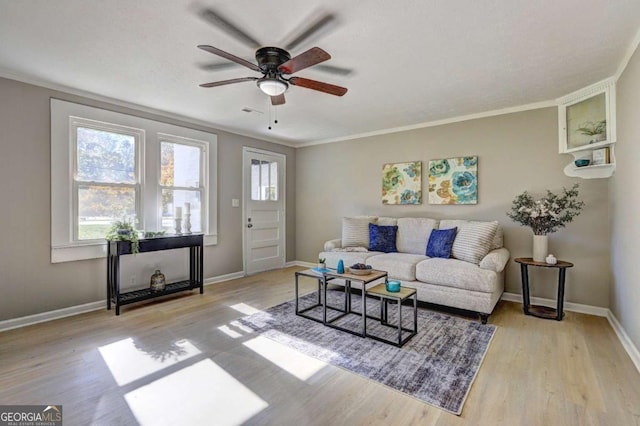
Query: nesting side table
542	311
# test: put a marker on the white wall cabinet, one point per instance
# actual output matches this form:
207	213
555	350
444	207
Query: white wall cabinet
587	130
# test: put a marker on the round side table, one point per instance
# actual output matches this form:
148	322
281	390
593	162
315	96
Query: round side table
536	310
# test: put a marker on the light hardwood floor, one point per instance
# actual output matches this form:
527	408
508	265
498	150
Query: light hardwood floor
536	372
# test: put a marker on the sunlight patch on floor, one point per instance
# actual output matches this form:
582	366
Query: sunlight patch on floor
130	359
245	309
293	362
201	394
229	332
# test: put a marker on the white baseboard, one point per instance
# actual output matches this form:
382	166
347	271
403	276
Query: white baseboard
10	324
303	264
51	315
628	345
568	306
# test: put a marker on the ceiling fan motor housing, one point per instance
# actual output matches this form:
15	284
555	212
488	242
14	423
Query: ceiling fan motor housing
270	58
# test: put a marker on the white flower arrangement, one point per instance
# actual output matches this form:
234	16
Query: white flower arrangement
548	214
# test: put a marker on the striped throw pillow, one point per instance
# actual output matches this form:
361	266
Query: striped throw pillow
473	241
355	231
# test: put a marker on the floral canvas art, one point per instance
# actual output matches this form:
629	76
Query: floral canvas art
453	181
402	183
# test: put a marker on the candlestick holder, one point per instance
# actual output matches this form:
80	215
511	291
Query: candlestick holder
187	223
178	225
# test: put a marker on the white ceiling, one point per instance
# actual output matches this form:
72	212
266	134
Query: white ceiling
413	61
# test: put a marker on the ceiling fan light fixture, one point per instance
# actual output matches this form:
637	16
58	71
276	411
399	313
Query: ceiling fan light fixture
272	86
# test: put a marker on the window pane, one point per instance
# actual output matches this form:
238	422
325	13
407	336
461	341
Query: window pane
172	198
255	180
180	165
273	180
264	180
105	157
99	206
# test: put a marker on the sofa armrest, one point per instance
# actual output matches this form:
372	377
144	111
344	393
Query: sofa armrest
495	260
333	244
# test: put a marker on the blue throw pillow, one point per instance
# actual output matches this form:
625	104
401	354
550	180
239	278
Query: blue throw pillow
441	242
382	238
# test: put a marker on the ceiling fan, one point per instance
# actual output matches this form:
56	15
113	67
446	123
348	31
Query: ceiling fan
274	63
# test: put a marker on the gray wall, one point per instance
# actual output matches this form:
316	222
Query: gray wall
29	283
516	152
625	204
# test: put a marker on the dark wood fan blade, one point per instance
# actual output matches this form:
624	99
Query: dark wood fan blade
318	85
215	18
229	56
277	100
225	82
311	57
320	23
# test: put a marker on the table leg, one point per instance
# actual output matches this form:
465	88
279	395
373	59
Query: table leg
399	302
415	312
561	278
364	309
296	292
525	288
324	305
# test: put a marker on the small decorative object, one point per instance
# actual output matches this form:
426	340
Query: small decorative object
360	269
392	286
582	162
402	183
546	215
178	219
340	268
322	263
153	234
601	156
158	282
123	230
187	218
453	181
551	259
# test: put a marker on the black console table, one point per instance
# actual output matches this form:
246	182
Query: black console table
115	249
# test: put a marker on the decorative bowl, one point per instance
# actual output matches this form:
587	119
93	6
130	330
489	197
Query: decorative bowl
582	162
393	286
360	271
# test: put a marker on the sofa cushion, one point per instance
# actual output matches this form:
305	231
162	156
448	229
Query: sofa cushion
355	231
348	257
399	266
382	238
413	234
473	241
387	221
441	242
456	273
497	239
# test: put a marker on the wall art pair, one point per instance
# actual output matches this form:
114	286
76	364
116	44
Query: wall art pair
451	181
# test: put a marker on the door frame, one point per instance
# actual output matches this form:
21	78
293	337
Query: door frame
245	151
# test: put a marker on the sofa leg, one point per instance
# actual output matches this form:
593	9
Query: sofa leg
484	318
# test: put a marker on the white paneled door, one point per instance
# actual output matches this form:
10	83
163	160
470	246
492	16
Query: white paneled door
264	201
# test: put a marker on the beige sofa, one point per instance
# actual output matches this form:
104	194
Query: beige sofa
472	279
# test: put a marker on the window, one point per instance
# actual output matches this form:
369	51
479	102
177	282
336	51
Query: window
264	180
181	182
106	176
107	166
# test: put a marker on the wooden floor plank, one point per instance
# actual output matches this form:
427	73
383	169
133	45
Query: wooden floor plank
535	372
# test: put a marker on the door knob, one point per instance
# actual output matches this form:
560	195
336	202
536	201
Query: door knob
250	225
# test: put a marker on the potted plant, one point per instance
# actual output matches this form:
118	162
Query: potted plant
597	130
123	230
322	263
546	215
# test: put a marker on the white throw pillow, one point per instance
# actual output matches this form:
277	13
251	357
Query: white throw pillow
459	223
413	234
355	231
473	241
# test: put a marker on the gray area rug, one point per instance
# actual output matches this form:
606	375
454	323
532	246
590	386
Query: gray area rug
437	366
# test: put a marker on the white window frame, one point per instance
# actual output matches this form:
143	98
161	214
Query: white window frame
204	173
139	137
64	244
